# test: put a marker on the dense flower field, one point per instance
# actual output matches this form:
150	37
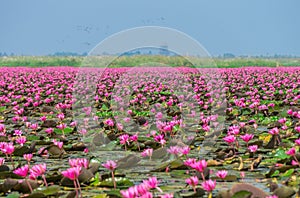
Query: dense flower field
150	132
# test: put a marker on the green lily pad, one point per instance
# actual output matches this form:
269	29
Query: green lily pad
121	183
280	153
288	173
3	108
13	195
67	130
50	190
33	137
276	173
242	194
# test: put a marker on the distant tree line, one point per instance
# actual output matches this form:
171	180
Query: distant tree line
163	52
54	54
136	60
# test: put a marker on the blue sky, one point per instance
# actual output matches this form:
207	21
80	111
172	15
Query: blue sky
248	27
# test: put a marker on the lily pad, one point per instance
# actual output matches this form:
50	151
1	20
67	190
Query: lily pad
122	183
47	191
242	194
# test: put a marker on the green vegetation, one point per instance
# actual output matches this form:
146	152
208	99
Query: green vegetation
39	61
149	60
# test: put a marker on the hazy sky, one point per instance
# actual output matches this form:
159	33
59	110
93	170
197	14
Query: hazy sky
242	27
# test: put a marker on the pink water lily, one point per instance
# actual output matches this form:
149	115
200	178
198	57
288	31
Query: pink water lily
192	181
163	103
22	171
253	148
80	162
111	166
21	140
209	185
147	153
28	157
73	174
222	174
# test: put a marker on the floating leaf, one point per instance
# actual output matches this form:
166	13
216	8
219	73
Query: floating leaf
2	108
13	195
288	173
51	190
176	128
246	111
104	107
32	137
276	173
68	130
242	194
121	183
280	153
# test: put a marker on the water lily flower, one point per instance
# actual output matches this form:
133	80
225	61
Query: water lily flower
83	131
159	138
242	124
28	157
38	170
229	139
22	171
73	124
291	152
61	116
152	183
147	153
109	122
272	196
34	126
43	118
124	139
111	166
58	143
129	193
21	140
190	161
49	130
185	150
290	112
2	160
18	132
247	137
82	162
209	185
295	163
86	150
282	120
192	181
174	150
8	148
73	174
61	126
199	166
242	174
221	174
253	148
167	196
274	131
2	128
159	115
